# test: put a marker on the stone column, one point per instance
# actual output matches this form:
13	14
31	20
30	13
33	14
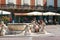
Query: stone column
32	2
18	3
44	3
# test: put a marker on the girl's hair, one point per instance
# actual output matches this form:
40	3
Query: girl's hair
41	21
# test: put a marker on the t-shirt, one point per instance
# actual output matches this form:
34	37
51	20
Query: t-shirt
36	27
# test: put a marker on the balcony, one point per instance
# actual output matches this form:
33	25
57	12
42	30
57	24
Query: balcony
13	7
39	7
51	8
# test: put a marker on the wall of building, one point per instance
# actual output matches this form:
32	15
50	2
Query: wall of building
2	2
55	3
18	2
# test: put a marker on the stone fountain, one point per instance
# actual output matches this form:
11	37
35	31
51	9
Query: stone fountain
28	31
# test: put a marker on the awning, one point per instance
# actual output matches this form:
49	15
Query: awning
37	14
57	14
20	14
49	13
4	12
30	14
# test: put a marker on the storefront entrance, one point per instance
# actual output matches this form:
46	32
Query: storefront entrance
47	19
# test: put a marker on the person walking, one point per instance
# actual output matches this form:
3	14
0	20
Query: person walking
42	26
35	25
3	28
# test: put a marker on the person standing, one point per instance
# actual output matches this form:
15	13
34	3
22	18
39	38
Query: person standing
10	19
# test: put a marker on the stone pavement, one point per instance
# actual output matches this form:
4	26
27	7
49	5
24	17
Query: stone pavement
53	34
54	29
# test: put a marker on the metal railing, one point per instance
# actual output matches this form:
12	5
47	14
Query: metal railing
14	6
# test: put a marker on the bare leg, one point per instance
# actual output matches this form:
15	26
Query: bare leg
42	30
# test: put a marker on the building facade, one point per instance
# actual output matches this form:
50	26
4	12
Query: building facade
54	3
31	4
